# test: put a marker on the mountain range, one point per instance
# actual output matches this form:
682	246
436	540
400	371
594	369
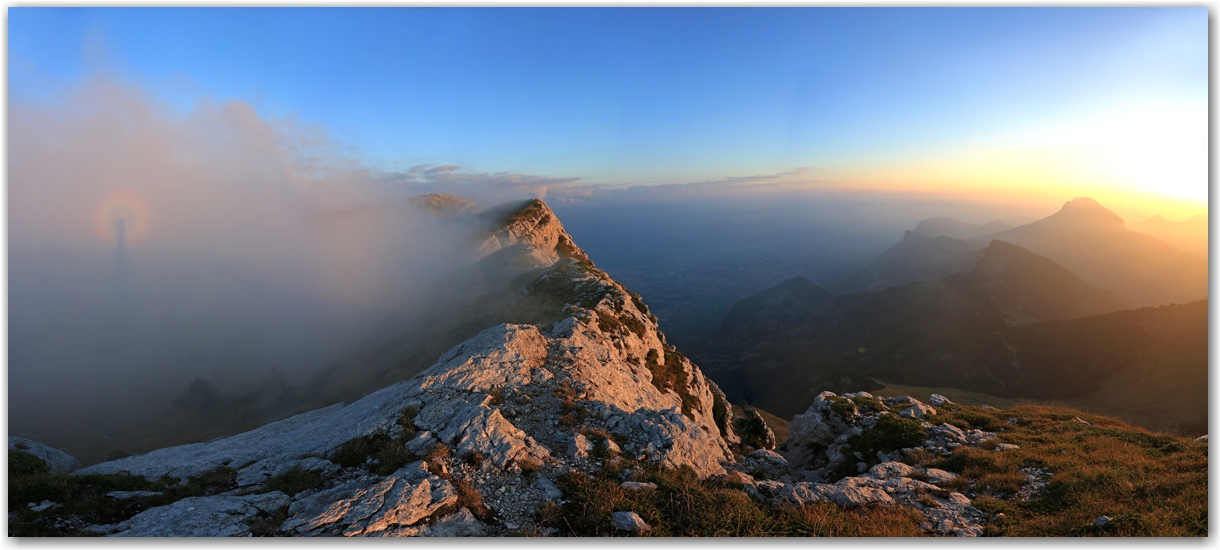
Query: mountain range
542	398
1083	236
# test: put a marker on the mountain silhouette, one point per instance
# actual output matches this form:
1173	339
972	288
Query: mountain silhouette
780	348
1189	236
1093	242
917	257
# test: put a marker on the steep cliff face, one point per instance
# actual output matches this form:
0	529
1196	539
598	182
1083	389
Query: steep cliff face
499	416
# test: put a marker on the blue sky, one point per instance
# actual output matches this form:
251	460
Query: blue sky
630	96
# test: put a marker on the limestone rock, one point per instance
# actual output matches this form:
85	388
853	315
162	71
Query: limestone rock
630	522
460	524
847	494
216	516
59	462
638	486
935	475
918	410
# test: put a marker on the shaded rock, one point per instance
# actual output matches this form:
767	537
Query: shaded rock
1102	521
638	486
420	444
935	475
549	490
216	516
131	494
44	506
459	524
630	522
580	447
59	462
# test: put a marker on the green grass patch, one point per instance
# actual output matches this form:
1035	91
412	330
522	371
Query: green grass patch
889	434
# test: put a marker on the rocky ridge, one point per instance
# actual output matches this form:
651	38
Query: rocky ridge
474	444
500	415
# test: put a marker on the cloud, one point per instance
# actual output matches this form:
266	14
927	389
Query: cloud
147	243
489	188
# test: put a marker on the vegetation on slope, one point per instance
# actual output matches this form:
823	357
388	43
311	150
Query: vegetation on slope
1147	484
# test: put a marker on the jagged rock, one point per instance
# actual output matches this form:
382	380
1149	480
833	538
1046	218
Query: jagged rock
935	475
630	522
580	447
638	486
58	461
846	493
917	410
216	516
816	449
527	236
937	400
359	508
815	430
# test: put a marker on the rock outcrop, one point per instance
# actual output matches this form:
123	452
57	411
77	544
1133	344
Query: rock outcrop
59	462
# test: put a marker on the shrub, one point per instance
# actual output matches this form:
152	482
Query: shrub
294	480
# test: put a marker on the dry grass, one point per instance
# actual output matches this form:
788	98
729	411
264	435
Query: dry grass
1152	484
685	506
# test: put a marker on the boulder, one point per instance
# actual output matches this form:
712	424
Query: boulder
630	522
58	461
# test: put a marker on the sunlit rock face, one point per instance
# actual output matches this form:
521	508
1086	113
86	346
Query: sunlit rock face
501	414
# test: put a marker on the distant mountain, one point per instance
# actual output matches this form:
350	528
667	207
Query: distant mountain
949	227
446	204
780	348
1189	236
917	257
1094	243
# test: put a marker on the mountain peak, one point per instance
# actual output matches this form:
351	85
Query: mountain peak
1086	209
528	234
445	204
